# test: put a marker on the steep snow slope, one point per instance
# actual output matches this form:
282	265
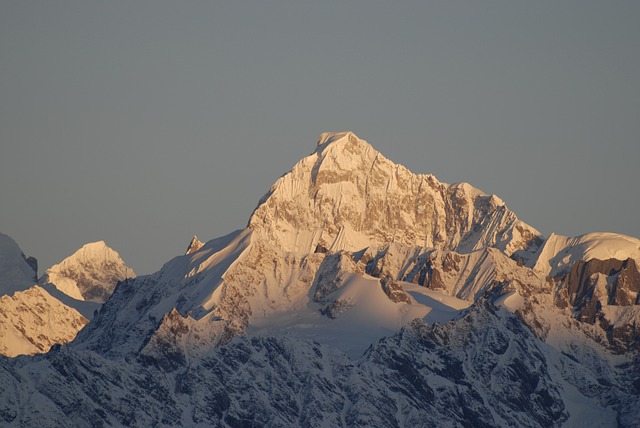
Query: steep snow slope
465	276
87	309
17	272
91	273
347	196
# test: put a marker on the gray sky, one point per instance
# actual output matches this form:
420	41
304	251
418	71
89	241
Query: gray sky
144	122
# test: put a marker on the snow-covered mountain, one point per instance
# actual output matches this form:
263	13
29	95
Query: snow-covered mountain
89	274
360	294
31	320
36	316
348	196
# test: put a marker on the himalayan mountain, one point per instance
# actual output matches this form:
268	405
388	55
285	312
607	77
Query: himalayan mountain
37	314
359	294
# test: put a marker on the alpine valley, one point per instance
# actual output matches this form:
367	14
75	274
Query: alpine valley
359	294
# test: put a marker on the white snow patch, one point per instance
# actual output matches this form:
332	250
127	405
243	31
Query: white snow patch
559	252
372	316
512	301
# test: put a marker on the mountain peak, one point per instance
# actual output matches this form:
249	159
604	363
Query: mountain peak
90	273
341	146
327	138
194	245
93	250
346	196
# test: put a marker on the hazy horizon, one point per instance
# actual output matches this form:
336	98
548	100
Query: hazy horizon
143	123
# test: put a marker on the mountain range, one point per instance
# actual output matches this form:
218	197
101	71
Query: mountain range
359	294
40	313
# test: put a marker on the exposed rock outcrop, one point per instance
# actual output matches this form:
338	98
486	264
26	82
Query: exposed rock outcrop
605	293
32	321
394	291
194	245
592	284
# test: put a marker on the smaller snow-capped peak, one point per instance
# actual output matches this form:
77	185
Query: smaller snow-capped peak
94	250
91	273
194	245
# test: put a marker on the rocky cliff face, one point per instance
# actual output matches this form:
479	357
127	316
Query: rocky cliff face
33	321
604	292
594	283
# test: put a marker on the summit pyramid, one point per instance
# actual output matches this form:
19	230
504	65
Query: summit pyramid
348	196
